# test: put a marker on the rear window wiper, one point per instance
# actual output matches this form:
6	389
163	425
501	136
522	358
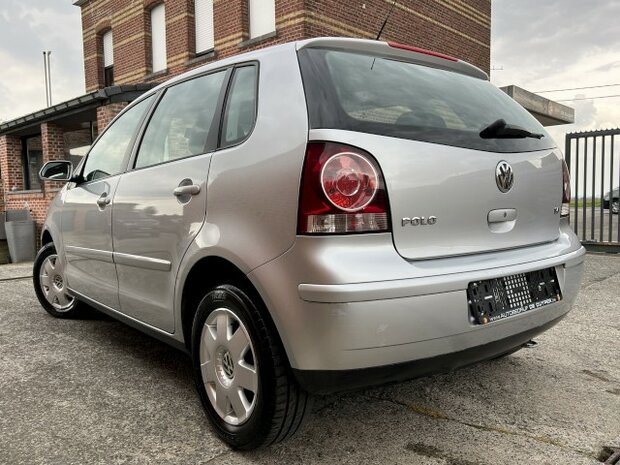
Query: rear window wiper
501	130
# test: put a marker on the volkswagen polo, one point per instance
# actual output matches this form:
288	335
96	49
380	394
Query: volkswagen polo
316	216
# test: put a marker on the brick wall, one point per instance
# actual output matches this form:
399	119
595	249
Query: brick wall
12	177
75	139
106	113
454	27
11	163
457	27
15	198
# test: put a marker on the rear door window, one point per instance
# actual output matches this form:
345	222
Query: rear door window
385	96
181	123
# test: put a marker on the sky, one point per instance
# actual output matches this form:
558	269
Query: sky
27	27
561	44
536	44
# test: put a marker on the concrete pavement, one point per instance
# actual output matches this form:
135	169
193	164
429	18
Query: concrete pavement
94	391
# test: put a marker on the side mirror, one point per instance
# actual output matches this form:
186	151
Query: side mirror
59	170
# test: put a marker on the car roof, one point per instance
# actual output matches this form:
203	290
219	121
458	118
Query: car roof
387	49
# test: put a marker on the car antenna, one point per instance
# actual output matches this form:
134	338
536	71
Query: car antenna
386	20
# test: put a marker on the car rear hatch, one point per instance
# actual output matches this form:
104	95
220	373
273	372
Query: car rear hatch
451	190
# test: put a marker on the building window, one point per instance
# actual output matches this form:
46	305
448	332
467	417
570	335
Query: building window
203	18
33	162
158	38
262	15
108	59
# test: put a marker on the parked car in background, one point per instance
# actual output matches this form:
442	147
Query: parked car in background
613	203
316	216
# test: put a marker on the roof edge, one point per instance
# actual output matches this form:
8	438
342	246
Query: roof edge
113	94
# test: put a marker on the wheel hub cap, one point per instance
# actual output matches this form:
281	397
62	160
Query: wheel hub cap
228	366
52	283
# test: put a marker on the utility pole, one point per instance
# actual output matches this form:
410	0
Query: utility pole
47	89
47	71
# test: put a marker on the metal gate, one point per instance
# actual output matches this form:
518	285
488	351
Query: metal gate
593	159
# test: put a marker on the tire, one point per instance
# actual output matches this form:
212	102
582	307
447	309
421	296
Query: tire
49	285
614	206
245	383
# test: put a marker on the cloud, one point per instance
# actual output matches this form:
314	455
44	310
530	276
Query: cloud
26	29
559	44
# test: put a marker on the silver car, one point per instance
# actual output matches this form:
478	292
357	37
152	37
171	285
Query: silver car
316	216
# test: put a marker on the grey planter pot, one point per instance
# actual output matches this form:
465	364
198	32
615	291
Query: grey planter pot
21	238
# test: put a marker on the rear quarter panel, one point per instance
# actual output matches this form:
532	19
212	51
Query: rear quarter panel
253	188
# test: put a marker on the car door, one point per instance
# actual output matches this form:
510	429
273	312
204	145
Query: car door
160	204
86	221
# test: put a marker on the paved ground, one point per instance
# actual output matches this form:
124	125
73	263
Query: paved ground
97	392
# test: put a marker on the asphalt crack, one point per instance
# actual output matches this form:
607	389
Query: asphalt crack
19	278
598	281
599	376
439	415
434	452
216	458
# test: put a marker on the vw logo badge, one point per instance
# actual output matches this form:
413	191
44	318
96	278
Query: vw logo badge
504	176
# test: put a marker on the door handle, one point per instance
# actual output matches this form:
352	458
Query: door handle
192	189
104	200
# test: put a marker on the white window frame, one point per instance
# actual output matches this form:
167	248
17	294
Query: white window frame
261	17
203	20
159	61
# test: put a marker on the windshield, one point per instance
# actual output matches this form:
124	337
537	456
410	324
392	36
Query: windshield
378	95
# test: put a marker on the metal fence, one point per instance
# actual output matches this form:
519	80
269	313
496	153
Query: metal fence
593	159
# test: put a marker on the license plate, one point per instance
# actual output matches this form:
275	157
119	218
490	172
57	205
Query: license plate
495	299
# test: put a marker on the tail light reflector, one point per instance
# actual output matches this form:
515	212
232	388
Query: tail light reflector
342	191
565	190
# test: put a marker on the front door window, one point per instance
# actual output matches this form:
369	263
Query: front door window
107	156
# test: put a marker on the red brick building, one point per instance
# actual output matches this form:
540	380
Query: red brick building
227	27
131	45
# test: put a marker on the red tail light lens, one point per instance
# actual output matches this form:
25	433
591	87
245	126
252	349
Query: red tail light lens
349	181
565	190
342	191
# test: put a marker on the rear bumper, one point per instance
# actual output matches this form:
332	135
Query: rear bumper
330	381
333	318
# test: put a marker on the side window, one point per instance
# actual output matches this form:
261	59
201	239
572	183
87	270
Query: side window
240	111
181	122
107	155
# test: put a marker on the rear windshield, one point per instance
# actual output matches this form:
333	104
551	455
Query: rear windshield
380	95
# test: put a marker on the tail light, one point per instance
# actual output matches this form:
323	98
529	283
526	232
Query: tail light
565	190
342	191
